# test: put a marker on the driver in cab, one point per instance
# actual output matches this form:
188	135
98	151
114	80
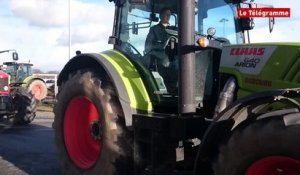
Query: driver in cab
155	48
157	37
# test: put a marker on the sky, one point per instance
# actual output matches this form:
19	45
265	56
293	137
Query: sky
38	29
285	29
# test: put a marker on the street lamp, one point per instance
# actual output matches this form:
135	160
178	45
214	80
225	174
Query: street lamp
223	20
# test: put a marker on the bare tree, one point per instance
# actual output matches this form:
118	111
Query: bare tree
53	72
37	71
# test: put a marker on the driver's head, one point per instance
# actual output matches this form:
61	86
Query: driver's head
164	15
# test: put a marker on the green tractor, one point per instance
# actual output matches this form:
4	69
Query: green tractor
21	75
16	103
218	107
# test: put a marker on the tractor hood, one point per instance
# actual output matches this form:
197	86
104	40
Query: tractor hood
259	67
4	83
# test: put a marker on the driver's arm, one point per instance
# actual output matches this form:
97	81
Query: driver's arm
149	40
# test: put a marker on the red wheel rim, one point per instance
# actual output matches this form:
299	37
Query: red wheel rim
37	91
275	165
83	148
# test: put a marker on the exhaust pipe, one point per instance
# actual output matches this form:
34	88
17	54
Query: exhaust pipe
226	96
186	56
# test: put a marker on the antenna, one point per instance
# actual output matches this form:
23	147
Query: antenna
69	27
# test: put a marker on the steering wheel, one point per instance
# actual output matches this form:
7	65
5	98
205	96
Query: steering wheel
129	48
169	40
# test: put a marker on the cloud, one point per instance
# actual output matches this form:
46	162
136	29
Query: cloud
85	33
55	13
285	29
294	5
45	13
97	14
38	30
282	32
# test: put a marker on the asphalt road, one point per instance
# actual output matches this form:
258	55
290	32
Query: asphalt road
29	149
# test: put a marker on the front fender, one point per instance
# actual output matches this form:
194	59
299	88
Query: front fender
29	79
130	88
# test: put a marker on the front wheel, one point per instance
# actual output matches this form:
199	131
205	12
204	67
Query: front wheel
266	147
91	137
26	106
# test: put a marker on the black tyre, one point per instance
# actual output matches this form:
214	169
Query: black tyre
38	88
90	135
26	106
266	147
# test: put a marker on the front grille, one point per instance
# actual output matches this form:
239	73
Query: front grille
3	82
2	106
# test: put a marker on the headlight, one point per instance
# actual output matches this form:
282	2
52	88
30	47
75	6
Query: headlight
5	88
211	31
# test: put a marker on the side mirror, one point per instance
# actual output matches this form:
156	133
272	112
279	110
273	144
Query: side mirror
271	24
135	28
15	56
246	23
153	17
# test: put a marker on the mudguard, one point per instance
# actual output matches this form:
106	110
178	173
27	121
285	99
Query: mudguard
130	88
240	114
29	79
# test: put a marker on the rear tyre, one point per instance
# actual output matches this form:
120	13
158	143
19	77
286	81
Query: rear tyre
26	106
91	137
38	88
266	147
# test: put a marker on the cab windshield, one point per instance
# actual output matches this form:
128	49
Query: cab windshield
138	21
10	69
220	16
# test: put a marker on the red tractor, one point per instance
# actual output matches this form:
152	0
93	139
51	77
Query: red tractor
16	104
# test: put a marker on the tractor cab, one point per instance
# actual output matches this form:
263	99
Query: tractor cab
215	21
18	71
